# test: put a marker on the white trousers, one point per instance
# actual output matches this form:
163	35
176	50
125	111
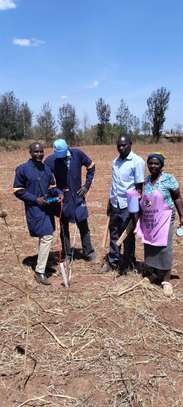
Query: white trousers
44	246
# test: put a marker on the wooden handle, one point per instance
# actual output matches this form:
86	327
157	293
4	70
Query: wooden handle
105	236
125	233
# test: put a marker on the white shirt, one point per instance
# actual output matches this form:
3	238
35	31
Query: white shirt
125	174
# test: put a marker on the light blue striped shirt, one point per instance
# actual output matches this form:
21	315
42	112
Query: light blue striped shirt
125	174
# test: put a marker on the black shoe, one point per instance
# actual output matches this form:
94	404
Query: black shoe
41	278
106	268
123	270
91	257
67	258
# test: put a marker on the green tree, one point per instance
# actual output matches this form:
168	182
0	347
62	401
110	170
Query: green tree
68	122
46	127
9	108
157	105
25	120
135	126
124	118
15	118
178	128
103	114
146	125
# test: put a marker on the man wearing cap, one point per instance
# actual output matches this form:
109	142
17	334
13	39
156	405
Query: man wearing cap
33	184
66	164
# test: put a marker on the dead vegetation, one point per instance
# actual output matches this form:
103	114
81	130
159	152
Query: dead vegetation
104	342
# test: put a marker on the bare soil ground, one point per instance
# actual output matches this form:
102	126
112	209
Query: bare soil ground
93	345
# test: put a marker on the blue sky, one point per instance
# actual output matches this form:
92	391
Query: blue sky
79	50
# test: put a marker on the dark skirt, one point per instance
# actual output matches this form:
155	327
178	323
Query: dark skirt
159	257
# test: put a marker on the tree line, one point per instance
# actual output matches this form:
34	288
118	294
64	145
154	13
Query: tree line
16	121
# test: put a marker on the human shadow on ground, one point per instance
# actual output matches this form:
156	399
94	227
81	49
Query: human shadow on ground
155	276
54	259
152	274
76	254
174	277
31	261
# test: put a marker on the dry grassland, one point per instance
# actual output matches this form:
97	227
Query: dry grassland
105	342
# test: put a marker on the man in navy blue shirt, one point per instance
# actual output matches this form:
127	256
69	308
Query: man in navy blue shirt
66	164
33	184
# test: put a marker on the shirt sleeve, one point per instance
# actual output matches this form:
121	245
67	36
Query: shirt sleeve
19	187
172	183
49	161
85	160
52	185
52	189
19	181
139	171
52	181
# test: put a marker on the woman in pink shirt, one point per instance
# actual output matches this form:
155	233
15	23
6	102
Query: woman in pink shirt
160	198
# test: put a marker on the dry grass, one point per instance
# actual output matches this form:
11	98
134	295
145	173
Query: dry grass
105	342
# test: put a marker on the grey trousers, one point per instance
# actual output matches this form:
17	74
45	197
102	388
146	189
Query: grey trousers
44	246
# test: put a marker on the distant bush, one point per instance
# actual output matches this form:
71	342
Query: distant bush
9	145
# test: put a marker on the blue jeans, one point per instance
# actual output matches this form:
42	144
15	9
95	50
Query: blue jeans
119	219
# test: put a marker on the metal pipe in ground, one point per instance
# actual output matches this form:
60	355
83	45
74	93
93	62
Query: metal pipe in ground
65	275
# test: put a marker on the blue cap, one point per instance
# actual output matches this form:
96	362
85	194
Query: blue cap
60	148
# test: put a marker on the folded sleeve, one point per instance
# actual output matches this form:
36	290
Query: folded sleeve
173	184
139	171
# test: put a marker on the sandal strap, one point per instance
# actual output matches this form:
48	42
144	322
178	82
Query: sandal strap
166	283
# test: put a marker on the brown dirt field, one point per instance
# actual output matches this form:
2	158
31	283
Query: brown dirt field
86	346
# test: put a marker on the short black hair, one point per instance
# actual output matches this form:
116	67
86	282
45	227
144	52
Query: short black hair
126	136
36	143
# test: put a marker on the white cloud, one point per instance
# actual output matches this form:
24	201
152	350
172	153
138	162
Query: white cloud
7	4
93	85
28	42
63	97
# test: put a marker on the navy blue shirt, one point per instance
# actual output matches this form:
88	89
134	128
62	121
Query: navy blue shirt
35	181
68	175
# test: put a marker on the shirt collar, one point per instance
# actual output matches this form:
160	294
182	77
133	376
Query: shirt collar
129	157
